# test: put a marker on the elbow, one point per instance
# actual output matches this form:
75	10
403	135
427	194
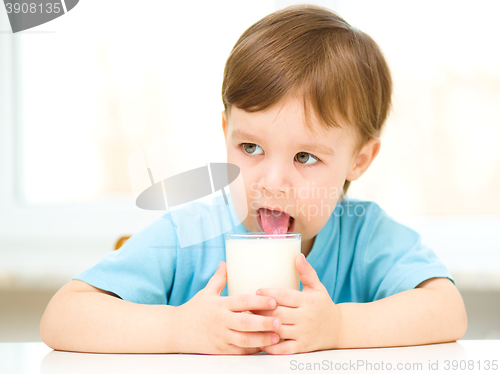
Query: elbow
459	331
48	329
454	316
46	333
50	323
461	323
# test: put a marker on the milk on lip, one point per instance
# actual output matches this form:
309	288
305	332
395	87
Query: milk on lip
258	261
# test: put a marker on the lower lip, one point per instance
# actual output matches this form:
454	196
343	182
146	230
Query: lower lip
259	222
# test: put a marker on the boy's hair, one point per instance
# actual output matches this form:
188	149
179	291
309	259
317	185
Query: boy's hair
310	51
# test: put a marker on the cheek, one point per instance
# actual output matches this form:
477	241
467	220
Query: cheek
235	157
317	203
311	211
231	154
240	189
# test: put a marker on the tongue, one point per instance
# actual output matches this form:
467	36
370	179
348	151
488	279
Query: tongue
274	222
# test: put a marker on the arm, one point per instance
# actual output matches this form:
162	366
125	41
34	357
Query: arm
433	312
83	318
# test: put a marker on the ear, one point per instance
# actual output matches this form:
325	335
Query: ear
224	125
364	159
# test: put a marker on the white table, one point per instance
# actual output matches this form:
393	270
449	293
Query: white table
21	358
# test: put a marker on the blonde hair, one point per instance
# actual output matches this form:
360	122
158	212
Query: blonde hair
311	51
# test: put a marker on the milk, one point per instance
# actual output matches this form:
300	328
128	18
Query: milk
261	261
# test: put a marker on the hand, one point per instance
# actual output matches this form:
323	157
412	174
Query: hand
311	320
211	324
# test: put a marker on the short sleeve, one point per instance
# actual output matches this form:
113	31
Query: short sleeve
143	269
395	260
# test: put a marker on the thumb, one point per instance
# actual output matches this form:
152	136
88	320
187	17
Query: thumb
307	274
217	283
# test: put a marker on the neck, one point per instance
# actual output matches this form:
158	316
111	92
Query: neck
306	246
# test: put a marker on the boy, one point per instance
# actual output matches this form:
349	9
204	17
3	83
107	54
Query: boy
305	98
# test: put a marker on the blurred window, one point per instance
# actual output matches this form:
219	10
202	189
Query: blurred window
97	89
439	153
100	87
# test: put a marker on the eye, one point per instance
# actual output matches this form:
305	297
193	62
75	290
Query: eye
304	158
250	148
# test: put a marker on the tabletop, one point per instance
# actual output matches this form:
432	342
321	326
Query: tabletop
461	356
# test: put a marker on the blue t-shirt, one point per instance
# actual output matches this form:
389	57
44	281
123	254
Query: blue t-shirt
360	255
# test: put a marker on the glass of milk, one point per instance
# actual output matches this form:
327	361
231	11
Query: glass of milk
257	260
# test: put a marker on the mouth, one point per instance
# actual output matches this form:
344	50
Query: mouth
291	220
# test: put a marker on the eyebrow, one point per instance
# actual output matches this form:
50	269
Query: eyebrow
238	134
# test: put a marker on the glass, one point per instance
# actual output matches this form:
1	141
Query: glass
257	260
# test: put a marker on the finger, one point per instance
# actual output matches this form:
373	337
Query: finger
286	347
252	339
286	315
242	303
217	283
265	313
235	350
288	332
307	274
252	322
283	296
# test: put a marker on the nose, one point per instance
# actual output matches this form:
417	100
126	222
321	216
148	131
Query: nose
275	177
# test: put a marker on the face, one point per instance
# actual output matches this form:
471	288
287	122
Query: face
286	167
